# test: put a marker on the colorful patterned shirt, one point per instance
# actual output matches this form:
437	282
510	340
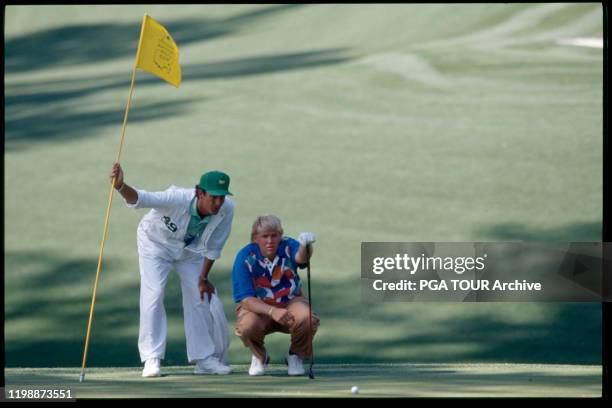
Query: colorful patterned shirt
275	282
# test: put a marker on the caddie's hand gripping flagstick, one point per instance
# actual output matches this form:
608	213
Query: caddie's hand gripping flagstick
159	48
310	372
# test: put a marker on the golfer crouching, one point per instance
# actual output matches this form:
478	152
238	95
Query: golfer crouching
268	292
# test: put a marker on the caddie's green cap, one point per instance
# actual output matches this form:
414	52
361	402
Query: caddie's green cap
215	183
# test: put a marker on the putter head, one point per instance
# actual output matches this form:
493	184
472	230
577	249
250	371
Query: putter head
82	377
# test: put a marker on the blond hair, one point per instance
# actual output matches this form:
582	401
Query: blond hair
266	222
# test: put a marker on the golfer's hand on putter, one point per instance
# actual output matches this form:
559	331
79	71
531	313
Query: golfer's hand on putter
307	238
282	316
205	286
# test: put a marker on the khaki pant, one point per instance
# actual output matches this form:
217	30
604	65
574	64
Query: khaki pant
252	328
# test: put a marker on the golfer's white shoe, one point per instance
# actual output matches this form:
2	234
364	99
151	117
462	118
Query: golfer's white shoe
294	365
257	367
211	365
151	368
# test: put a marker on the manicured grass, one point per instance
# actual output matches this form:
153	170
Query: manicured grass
357	122
331	380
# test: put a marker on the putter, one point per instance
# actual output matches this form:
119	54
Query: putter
310	372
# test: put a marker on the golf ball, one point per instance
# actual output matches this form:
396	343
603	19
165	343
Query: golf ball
355	389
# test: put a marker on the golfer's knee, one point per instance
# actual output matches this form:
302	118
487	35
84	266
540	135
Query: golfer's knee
251	330
302	320
301	314
303	323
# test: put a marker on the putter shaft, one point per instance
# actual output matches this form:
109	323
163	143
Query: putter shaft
310	372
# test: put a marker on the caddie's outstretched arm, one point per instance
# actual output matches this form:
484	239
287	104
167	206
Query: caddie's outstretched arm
129	194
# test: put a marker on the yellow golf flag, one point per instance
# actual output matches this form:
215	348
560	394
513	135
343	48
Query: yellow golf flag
158	53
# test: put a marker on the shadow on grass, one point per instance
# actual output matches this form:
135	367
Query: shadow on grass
374	380
56	124
569	333
47	302
58	110
575	232
51	308
92	43
53	111
23	95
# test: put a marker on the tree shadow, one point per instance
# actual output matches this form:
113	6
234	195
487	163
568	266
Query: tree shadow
46	314
49	111
27	95
61	125
91	43
52	307
401	332
571	334
56	110
509	332
575	232
376	380
87	44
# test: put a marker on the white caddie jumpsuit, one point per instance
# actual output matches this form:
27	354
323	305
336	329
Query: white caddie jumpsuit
161	247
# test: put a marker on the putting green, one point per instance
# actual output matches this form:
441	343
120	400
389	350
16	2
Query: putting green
366	122
332	380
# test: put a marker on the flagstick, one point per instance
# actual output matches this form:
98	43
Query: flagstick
108	208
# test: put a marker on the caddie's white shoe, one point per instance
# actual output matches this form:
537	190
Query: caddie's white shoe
151	368
294	365
211	365
257	367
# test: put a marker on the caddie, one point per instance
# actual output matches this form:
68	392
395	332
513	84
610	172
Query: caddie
186	229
